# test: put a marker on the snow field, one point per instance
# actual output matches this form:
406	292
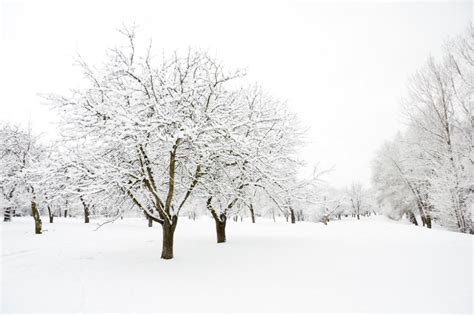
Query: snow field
373	265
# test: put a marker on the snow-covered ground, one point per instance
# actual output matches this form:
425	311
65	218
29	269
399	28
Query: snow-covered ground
374	265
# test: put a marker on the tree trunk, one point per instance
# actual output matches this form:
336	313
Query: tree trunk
7	215
86	210
220	228
220	220
325	219
36	216
168	237
86	216
292	215
50	213
428	221
412	218
9	211
425	217
252	213
150	222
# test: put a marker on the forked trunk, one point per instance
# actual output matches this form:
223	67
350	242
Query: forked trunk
168	236
220	220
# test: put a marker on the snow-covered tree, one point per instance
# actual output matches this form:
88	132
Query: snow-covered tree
148	126
260	141
22	168
357	198
432	159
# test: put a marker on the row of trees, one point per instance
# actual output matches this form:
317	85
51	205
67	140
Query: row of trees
427	170
328	204
160	135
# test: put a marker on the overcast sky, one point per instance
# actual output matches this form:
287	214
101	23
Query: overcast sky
343	66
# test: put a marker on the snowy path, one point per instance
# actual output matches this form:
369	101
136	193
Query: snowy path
348	266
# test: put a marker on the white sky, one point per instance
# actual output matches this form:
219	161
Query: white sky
343	66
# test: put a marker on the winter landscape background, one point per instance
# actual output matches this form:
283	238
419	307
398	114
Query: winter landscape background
224	156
